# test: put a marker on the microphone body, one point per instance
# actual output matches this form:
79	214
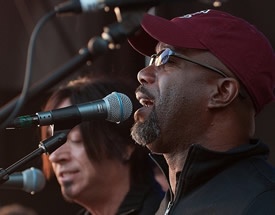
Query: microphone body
115	107
30	180
78	6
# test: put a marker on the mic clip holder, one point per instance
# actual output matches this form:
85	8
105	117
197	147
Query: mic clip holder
112	36
116	33
46	146
128	23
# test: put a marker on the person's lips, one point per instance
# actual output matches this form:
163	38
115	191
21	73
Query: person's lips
67	175
144	100
147	104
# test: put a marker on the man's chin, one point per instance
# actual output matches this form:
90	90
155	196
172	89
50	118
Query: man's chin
139	134
67	192
146	133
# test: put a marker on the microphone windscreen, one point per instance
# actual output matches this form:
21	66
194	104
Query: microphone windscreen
33	180
119	107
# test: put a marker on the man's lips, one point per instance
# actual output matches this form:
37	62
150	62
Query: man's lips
147	104
144	100
67	175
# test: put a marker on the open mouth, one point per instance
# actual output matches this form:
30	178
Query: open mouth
146	102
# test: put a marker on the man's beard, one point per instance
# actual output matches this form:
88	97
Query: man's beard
146	132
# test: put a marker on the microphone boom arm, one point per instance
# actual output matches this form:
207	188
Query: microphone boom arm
46	146
110	39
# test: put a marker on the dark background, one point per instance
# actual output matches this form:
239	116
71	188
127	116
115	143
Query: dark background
60	40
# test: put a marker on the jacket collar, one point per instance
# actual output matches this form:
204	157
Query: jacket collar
202	164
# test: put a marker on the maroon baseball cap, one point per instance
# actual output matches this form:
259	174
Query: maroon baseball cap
235	42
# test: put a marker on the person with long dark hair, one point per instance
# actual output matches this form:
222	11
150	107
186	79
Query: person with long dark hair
100	167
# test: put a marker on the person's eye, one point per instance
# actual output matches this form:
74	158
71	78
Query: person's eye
171	60
77	141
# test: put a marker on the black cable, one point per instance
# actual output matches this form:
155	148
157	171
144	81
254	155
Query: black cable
114	34
28	73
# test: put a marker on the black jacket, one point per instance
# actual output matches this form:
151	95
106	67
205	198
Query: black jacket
236	182
140	200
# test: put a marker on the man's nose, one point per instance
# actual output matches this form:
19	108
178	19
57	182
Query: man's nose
60	154
147	75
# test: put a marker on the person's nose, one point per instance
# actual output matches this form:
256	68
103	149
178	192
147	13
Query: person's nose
60	154
147	75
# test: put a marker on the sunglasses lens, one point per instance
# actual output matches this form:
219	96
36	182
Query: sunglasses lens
152	59
164	57
160	58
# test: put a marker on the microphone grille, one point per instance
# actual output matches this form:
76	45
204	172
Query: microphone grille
119	107
34	180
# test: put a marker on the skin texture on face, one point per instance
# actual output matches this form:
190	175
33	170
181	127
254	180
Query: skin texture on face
170	94
84	181
71	166
185	104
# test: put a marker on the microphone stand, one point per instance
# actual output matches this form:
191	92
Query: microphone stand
46	146
111	37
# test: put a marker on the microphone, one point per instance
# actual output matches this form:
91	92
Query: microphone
30	180
115	107
79	6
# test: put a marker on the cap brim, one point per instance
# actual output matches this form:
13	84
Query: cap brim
143	43
156	29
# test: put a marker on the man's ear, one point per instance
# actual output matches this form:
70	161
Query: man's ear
225	91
